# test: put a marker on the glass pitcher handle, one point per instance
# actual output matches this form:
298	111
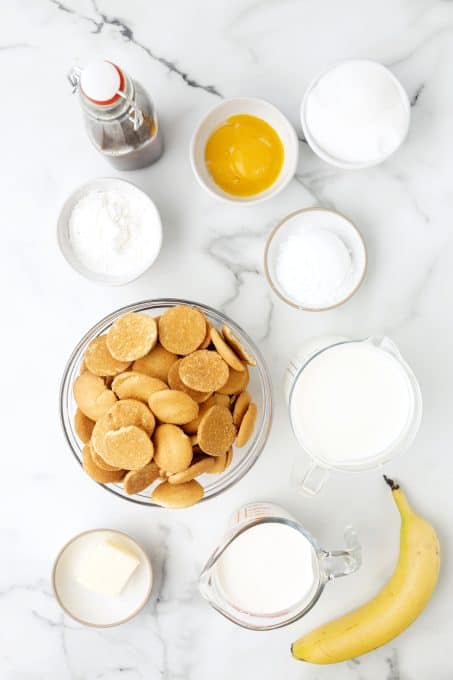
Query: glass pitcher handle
313	480
338	563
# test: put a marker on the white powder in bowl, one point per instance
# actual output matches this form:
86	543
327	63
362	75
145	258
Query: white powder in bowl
313	266
357	112
114	232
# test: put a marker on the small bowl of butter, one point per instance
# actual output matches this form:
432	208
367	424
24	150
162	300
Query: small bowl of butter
102	578
244	151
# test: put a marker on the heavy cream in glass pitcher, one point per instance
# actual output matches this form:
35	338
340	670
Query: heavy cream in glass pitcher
269	571
353	405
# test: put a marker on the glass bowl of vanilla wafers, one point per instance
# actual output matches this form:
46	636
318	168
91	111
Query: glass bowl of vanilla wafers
166	403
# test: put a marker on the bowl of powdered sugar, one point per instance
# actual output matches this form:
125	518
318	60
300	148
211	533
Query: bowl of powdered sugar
315	259
109	231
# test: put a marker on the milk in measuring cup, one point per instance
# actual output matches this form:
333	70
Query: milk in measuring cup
351	403
266	569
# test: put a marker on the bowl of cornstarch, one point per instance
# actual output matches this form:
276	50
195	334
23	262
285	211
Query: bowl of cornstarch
315	259
109	231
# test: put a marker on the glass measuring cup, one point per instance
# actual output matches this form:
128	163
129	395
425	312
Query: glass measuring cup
312	480
327	565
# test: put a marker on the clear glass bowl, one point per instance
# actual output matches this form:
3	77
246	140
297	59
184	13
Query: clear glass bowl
259	387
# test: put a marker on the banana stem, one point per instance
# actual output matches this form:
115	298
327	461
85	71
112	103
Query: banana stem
399	497
392	484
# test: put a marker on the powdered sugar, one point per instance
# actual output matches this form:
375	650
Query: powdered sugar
114	232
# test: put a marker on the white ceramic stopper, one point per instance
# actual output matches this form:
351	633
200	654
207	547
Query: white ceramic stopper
100	81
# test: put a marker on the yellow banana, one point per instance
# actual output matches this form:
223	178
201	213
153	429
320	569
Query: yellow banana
396	606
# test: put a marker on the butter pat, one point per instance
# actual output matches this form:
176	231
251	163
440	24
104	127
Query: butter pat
107	568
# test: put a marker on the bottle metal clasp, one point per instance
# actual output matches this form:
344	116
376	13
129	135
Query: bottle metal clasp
74	78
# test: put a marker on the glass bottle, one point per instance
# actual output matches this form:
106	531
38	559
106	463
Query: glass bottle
120	118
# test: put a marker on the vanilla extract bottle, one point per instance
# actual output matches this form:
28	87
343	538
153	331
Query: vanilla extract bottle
120	118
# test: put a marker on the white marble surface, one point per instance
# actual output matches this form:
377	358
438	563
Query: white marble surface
188	55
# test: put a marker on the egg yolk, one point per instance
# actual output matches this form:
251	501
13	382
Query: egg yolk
244	155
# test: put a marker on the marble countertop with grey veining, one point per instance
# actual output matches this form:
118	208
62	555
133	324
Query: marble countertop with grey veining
189	56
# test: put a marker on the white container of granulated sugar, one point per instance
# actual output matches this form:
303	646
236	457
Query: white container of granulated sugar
356	114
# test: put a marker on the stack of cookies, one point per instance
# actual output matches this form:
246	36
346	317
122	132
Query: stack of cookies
163	400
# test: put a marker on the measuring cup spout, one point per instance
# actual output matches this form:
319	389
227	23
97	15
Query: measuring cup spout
384	343
206	584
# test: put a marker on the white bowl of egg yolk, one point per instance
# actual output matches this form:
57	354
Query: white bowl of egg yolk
244	151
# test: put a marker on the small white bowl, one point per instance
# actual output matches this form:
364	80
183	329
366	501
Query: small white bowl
88	607
338	162
105	184
253	107
337	224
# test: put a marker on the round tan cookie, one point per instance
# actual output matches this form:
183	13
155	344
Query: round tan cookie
178	495
134	385
203	370
247	426
132	336
173	406
229	458
97	473
219	464
175	382
156	363
172	449
182	329
131	412
99	361
240	407
92	396
83	426
121	377
225	351
237	345
100	462
219	399
122	414
216	431
138	480
128	448
237	382
207	339
195	470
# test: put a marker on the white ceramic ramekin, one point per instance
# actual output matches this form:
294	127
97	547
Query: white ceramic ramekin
322	153
339	225
253	107
106	184
87	607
